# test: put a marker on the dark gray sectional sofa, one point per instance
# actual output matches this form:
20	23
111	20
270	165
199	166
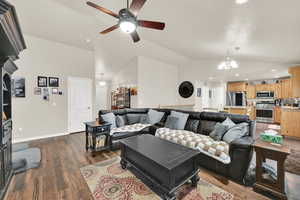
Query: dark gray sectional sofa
240	150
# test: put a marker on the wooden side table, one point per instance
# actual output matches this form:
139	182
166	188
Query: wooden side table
265	150
97	136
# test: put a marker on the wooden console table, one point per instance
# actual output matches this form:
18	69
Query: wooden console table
265	150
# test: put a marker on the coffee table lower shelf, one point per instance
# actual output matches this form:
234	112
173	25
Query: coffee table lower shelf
154	185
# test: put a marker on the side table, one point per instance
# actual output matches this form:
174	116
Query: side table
265	150
97	136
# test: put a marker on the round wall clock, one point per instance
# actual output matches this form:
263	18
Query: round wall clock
186	89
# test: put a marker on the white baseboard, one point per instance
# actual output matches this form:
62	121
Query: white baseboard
37	138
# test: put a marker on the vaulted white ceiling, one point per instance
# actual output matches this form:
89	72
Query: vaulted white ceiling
265	30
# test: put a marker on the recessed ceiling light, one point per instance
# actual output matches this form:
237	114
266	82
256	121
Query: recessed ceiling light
88	40
247	79
276	76
237	75
273	70
241	1
211	78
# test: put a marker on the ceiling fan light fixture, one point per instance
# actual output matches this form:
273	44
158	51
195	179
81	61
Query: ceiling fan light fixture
127	26
241	1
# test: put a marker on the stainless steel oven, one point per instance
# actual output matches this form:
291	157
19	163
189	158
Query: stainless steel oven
265	95
265	111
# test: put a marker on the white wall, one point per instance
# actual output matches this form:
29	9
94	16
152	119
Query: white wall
127	75
32	116
157	83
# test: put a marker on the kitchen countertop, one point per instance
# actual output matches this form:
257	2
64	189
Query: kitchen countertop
290	108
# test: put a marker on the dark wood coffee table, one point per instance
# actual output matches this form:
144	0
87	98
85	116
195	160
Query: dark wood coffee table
162	165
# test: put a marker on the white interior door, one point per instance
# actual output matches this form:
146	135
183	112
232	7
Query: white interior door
80	103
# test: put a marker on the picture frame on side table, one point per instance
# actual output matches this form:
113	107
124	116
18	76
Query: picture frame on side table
53	82
42	81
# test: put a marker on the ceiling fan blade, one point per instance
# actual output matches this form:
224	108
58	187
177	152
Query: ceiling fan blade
136	6
152	24
102	9
110	29
135	36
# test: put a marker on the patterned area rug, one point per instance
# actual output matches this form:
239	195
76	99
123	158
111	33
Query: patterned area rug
108	181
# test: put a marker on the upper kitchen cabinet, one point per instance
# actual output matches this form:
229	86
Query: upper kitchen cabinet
265	87
237	86
251	91
295	81
286	88
277	92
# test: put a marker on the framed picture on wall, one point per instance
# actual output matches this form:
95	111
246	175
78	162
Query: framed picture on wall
53	82
18	87
42	81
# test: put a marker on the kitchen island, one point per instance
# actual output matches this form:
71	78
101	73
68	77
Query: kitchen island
290	121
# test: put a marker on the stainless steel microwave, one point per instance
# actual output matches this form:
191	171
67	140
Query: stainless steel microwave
265	95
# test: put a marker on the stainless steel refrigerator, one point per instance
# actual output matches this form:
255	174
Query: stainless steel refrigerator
235	99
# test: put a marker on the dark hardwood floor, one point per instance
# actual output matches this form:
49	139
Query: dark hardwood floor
59	176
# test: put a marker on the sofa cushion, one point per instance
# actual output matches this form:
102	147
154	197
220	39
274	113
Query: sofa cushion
171	122
192	125
206	127
144	119
218	132
182	119
155	116
110	118
129	128
121	120
219	150
236	132
133	118
228	122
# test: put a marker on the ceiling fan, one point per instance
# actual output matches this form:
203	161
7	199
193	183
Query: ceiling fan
128	21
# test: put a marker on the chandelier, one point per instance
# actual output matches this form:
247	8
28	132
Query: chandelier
229	63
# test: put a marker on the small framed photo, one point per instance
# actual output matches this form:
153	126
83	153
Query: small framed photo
53	82
199	92
54	91
42	81
37	91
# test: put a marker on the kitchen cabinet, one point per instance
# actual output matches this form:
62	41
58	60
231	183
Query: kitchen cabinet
251	91
237	111
236	86
290	122
251	112
277	91
265	87
286	88
295	81
277	114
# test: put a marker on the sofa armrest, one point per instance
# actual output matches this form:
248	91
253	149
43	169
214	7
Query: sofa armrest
159	125
153	128
244	142
240	151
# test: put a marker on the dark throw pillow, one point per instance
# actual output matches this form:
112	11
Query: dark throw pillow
172	122
121	120
218	132
133	118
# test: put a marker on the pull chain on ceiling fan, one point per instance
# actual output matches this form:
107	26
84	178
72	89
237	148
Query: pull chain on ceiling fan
128	21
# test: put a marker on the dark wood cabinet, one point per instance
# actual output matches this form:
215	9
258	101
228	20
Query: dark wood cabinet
11	44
